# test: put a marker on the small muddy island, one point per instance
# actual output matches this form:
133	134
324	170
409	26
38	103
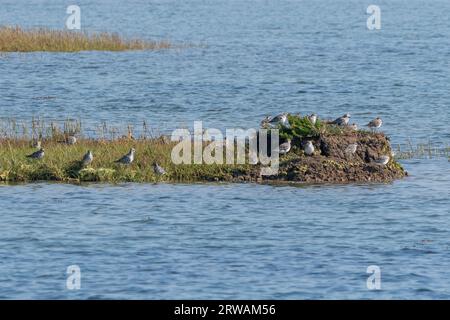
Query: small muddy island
310	151
331	163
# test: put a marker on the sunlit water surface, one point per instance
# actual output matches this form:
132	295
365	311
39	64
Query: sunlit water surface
234	240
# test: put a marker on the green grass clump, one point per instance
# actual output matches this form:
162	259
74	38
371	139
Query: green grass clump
301	127
16	39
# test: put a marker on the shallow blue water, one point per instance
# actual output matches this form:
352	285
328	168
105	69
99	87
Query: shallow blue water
234	240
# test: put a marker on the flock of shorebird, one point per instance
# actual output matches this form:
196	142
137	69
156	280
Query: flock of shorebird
127	159
282	119
343	121
268	122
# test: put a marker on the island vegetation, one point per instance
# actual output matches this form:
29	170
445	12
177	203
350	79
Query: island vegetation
330	162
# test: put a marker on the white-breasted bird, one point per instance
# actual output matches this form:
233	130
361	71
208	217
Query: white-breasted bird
265	122
383	160
87	159
313	118
353	127
128	158
351	148
158	169
37	155
375	123
71	140
281	119
309	148
36	144
342	121
285	147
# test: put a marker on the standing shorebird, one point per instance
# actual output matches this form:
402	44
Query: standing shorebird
87	159
351	148
342	121
285	147
128	158
158	169
71	140
309	148
265	122
36	144
37	155
281	119
375	123
383	160
313	118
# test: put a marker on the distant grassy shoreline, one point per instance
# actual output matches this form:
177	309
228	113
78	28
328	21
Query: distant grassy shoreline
17	39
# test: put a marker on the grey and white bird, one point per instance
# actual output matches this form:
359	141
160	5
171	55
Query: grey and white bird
265	122
375	123
37	155
87	159
353	127
158	169
342	121
71	140
383	160
128	158
281	119
313	118
36	144
309	148
285	147
351	148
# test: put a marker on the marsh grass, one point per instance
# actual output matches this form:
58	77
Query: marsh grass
16	39
62	162
421	150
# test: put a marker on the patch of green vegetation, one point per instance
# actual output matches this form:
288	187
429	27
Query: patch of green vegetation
300	128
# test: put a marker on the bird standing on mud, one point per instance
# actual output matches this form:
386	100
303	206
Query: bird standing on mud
375	123
128	158
309	148
383	160
351	148
285	147
87	159
342	121
37	155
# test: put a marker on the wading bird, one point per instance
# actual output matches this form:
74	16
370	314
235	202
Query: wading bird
128	158
309	148
37	155
285	147
158	169
87	159
342	121
375	123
